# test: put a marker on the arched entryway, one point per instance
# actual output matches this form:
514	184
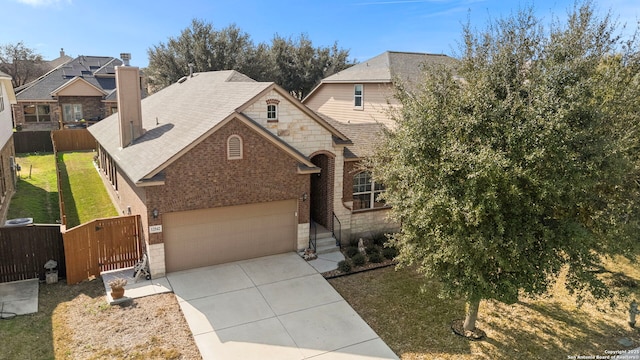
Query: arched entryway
322	189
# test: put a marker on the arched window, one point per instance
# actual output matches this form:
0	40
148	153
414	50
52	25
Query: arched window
366	191
234	147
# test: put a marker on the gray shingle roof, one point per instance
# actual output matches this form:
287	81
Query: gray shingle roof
184	111
365	136
388	66
97	70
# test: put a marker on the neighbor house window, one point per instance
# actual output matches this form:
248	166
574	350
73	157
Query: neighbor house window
234	147
1	100
72	112
366	192
37	113
357	96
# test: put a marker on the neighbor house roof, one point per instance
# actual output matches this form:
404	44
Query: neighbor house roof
99	71
388	66
181	115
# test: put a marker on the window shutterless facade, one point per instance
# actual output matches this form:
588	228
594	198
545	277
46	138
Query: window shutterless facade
37	113
72	112
358	96
366	191
272	112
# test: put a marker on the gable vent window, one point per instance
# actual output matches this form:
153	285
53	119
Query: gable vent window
234	147
272	110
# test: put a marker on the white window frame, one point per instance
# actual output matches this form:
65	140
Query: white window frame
1	99
363	184
232	153
72	110
272	112
358	96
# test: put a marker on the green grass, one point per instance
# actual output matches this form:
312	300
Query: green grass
37	190
85	197
406	312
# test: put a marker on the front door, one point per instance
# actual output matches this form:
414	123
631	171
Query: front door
321	190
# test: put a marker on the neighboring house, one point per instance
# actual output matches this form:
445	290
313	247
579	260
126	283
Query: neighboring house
7	153
356	101
364	92
73	94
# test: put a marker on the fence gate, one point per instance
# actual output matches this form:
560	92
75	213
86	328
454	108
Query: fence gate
100	245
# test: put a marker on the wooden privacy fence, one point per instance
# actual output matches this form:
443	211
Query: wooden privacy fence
101	245
24	251
32	141
73	140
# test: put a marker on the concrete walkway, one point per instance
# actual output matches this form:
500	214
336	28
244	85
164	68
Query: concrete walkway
19	297
275	307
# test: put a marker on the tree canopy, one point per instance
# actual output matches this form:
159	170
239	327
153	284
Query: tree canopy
520	162
23	64
293	63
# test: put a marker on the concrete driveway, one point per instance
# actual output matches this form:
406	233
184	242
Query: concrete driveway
275	307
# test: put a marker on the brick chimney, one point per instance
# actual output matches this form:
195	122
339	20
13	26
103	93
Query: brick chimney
129	107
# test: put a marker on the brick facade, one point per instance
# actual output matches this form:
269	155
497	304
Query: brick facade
203	178
19	118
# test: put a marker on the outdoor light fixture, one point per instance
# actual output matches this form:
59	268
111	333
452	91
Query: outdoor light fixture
155	213
304	197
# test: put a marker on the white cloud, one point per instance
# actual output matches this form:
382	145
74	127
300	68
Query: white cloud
43	3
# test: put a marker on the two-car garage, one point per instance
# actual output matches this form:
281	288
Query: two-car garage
214	236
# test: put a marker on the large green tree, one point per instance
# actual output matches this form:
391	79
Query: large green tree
293	63
520	162
21	62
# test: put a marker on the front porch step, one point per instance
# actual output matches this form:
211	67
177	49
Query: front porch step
326	245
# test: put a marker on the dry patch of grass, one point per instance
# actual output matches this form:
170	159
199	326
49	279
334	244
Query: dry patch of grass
146	328
407	314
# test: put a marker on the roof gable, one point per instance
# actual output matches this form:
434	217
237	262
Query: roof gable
78	87
95	70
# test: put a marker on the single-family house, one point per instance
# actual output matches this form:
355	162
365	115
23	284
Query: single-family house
220	168
73	94
7	152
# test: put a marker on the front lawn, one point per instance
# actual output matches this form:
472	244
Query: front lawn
408	315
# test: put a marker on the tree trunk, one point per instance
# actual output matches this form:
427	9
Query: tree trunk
472	315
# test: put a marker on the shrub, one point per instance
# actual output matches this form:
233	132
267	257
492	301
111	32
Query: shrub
344	266
379	238
353	241
351	251
389	252
358	260
371	249
376	257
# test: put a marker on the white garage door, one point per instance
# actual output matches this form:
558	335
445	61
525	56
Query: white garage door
215	236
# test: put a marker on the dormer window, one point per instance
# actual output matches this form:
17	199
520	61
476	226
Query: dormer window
234	147
272	110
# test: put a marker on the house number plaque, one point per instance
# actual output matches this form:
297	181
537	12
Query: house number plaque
154	229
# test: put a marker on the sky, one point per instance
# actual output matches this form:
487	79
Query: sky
364	27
